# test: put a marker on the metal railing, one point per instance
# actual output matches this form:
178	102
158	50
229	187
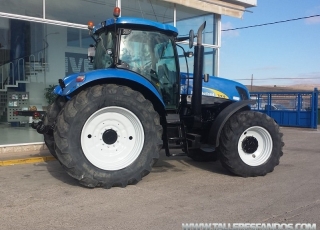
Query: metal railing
5	71
294	108
20	69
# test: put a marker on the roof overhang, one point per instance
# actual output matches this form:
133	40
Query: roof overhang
233	8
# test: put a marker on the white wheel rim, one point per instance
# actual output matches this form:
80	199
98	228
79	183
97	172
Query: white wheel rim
129	138
263	150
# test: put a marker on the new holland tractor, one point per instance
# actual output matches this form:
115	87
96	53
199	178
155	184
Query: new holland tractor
107	126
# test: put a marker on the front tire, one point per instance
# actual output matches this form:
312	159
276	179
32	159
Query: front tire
108	136
250	144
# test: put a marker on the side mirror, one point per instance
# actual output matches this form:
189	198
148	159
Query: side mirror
91	53
191	38
206	77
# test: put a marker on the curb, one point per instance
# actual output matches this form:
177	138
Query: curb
26	153
21	148
31	160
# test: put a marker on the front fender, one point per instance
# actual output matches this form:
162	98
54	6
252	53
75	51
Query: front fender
72	85
219	122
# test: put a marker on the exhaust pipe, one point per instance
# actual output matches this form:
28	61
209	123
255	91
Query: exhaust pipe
197	75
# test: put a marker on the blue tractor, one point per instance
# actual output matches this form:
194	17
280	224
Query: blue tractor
107	126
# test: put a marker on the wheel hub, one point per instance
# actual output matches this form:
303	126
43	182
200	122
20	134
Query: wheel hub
255	146
109	136
250	145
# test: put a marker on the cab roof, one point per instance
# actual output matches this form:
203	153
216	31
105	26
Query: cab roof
137	22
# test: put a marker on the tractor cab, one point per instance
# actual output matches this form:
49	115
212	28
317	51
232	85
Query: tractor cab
143	48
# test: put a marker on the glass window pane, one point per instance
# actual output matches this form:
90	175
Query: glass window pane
86	40
28	8
158	11
187	13
4	41
185	25
102	59
182	60
73	37
208	61
80	11
151	55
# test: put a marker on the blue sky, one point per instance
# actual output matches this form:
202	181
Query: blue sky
285	50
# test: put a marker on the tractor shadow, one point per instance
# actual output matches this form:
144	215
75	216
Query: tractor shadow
183	163
164	164
56	170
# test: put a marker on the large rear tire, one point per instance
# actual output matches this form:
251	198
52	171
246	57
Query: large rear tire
250	144
108	135
49	120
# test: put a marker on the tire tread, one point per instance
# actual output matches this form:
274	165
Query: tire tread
228	150
99	94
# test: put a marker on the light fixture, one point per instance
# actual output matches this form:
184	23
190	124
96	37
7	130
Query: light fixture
116	12
80	78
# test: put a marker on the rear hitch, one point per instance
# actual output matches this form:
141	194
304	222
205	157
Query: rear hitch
41	128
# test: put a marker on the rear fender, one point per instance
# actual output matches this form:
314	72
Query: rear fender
71	84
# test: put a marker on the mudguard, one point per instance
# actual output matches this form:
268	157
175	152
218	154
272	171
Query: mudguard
222	118
71	83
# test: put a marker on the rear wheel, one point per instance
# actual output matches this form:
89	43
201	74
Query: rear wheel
250	144
108	136
49	120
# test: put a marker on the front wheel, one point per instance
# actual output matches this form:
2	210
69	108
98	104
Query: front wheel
108	136
250	144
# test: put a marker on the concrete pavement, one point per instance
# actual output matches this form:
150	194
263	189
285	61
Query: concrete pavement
178	190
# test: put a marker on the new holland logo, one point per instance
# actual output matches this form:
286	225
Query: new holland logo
213	93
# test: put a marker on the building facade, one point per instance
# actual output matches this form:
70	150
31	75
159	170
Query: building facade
42	41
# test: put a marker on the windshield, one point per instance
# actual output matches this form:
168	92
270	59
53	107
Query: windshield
151	54
104	50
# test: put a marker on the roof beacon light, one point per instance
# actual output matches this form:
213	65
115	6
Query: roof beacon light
116	12
90	25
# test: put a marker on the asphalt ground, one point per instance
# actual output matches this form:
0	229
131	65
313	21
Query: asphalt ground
178	190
